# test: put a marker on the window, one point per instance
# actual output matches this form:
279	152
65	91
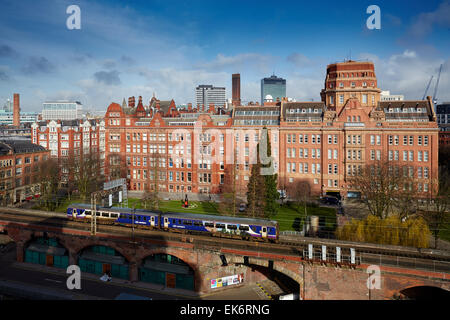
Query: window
425	156
411	140
372	140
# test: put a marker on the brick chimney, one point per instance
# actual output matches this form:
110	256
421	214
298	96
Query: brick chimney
189	106
16	111
131	102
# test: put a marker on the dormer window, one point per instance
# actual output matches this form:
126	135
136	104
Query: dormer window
341	84
353	84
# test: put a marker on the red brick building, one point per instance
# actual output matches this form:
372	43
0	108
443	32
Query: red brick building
323	143
177	148
64	138
19	162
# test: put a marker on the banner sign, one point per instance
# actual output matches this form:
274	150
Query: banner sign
227	281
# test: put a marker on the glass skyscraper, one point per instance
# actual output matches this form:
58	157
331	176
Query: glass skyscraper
273	86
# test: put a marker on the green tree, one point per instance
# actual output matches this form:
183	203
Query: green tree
272	196
255	191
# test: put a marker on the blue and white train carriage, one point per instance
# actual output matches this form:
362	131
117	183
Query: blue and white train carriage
125	216
234	227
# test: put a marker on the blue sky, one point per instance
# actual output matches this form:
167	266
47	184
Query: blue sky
127	47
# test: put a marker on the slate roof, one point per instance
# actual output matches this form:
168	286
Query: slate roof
18	146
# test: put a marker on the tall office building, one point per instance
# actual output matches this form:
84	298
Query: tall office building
8	107
274	87
236	88
62	110
207	94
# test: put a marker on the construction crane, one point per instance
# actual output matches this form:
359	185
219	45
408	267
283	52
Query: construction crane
437	84
428	87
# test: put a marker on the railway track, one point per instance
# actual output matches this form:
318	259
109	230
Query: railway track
427	259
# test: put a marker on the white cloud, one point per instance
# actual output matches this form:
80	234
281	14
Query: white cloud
408	73
426	21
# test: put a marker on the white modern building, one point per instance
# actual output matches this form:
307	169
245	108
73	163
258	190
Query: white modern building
387	96
6	117
62	110
207	94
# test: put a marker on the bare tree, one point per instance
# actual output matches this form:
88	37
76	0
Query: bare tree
85	172
438	204
229	192
49	178
150	198
381	185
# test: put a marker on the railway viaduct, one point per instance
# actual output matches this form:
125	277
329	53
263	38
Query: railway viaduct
312	279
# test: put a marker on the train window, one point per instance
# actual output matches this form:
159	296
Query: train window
220	225
209	224
231	227
105	214
114	215
87	212
144	218
187	222
198	223
264	229
123	216
97	214
245	228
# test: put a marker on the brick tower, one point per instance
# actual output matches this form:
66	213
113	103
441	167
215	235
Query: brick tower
16	111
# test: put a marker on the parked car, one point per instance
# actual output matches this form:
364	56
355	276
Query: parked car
330	200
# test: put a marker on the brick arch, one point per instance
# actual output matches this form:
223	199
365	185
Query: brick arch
176	253
34	236
423	290
173	252
82	247
278	266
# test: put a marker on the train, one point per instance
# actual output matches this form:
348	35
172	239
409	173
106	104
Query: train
223	226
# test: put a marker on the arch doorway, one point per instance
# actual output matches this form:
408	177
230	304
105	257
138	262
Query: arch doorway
167	270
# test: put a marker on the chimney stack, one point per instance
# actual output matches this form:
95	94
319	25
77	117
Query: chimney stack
131	102
236	89
16	111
